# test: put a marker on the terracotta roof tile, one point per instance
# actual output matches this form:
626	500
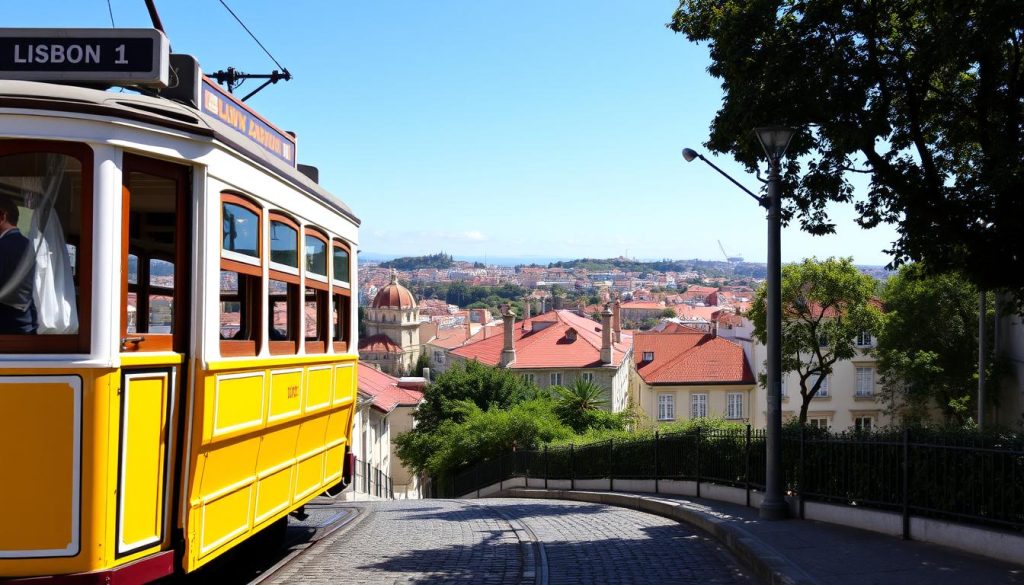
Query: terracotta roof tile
384	389
689	356
547	347
379	342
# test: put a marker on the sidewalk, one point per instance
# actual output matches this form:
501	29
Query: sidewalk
805	552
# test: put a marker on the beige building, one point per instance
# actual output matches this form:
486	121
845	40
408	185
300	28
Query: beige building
392	341
557	348
681	373
384	411
847	400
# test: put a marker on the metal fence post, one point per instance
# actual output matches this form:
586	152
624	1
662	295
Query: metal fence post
656	461
698	462
802	481
611	465
906	484
476	479
545	467
572	467
746	467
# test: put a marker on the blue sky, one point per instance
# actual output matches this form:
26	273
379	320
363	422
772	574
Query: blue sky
476	127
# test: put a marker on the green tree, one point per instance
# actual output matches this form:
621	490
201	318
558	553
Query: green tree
926	98
668	313
825	305
422	363
483	385
928	345
476	434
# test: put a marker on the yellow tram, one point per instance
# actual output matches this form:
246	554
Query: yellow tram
177	338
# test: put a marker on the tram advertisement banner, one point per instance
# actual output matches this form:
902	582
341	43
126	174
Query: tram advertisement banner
219	104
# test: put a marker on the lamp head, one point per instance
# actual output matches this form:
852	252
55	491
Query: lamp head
774	140
689	154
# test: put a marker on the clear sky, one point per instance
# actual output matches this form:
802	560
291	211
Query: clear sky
476	127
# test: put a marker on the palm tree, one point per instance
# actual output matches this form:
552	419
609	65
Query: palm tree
577	402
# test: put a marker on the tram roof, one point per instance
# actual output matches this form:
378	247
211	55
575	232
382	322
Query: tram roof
159	111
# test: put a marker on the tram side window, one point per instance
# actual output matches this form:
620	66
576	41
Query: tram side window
342	295
239	299
241	313
283	327
44	203
315	305
281	319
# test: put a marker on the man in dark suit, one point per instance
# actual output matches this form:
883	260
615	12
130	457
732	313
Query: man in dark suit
17	273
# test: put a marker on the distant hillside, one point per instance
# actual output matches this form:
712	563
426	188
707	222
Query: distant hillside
440	260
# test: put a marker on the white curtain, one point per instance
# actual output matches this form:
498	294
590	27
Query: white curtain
54	289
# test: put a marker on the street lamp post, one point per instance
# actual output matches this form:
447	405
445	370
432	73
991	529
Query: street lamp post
774	140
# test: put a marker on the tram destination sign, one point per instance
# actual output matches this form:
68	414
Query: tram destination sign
137	56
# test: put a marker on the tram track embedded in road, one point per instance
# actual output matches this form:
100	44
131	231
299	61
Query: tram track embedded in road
535	560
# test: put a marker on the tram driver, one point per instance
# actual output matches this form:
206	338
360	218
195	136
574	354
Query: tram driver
17	274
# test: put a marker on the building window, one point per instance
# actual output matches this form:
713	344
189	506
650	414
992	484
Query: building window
818	422
555	379
823	389
864	339
863	423
734	405
666	406
587	376
698	405
648	356
438	357
530	378
865	382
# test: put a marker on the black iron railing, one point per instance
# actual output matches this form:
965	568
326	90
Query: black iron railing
373	481
971	479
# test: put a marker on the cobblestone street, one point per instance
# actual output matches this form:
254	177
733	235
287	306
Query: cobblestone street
509	541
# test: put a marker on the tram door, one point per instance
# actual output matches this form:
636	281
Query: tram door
156	236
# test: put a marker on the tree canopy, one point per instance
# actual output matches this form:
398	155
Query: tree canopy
439	260
928	345
825	306
925	97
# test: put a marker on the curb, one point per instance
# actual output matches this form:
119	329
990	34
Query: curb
768	564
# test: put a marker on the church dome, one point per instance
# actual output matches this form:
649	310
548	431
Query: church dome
394	296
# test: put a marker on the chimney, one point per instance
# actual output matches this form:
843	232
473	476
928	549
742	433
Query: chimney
526	308
617	321
606	335
508	351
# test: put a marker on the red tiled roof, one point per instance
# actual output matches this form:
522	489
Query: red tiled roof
688	312
642	305
379	342
450	338
689	356
549	347
384	389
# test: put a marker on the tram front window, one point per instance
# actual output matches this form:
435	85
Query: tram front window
41	213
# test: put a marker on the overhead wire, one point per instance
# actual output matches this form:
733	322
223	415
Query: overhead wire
110	9
251	35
